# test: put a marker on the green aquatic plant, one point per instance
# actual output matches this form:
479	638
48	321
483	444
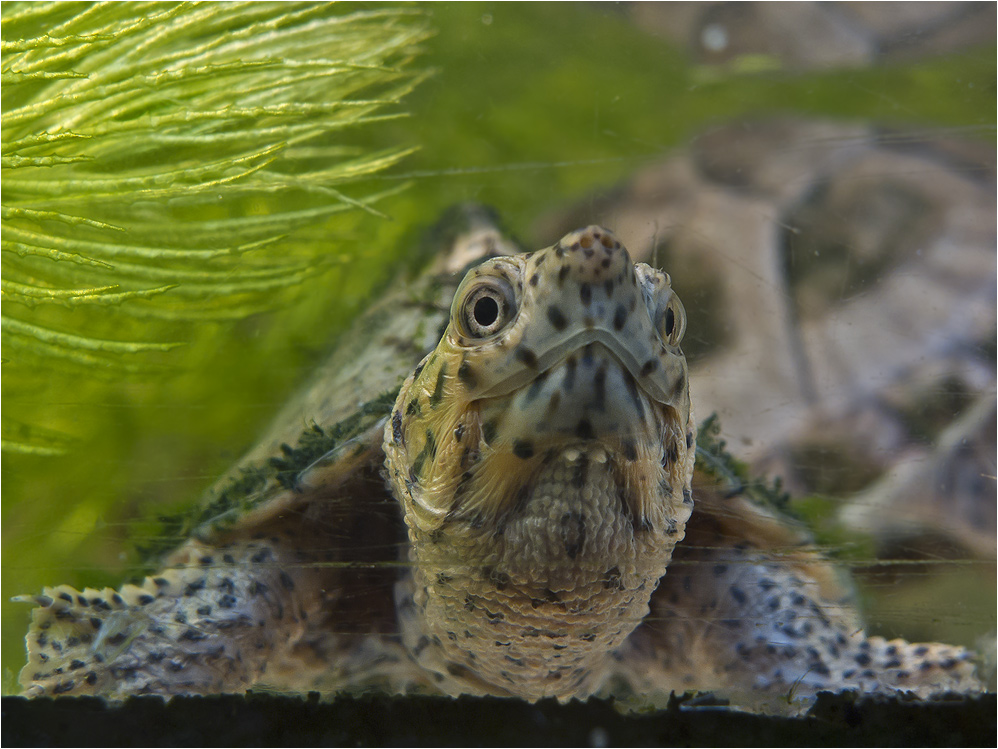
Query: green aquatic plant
167	164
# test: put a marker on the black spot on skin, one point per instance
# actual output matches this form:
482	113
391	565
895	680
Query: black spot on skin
536	387
63	687
557	318
739	595
599	388
562	274
76	664
679	387
438	389
397	427
260	557
585	293
619	317
226	602
82	601
632	391
526	356
419	368
204	610
534	279
192	635
66	597
146	599
629	450
649	366
489	429
499	579
611	579
413	409
194	587
428	453
523	449
286	581
90	678
584	430
689	440
573	532
467	374
569	382
459	435
228	559
863	659
205	561
94	622
687	497
494	617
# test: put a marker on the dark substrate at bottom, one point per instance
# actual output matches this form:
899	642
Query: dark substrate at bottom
257	720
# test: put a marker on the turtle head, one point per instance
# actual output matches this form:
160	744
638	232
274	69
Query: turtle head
572	350
547	442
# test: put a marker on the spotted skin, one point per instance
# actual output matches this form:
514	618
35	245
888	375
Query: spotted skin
749	606
540	462
542	459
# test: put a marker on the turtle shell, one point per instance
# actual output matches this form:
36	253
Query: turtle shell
292	579
333	430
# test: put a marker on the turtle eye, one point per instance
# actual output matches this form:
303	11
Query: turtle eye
672	321
488	307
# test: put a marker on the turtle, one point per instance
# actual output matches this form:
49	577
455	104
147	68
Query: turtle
488	489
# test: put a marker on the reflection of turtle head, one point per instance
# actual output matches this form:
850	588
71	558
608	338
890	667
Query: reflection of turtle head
543	451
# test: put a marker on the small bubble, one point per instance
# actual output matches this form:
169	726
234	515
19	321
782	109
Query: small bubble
486	19
714	38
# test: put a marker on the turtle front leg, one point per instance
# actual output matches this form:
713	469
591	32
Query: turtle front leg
738	621
210	622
